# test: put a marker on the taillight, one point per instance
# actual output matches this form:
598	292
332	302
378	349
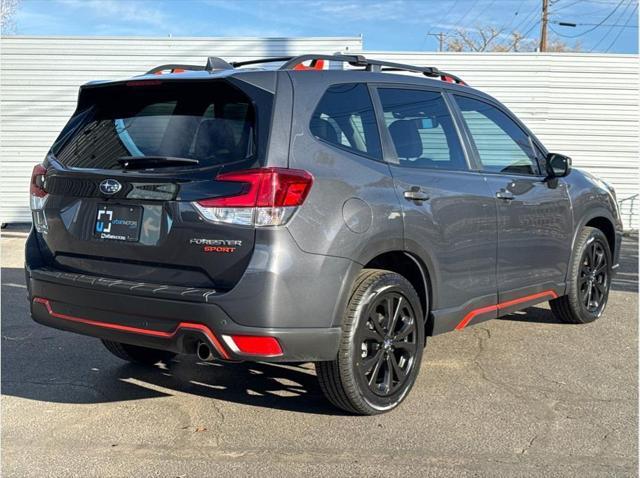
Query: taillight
38	197
37	181
269	197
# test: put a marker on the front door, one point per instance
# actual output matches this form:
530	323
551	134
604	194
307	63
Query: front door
535	222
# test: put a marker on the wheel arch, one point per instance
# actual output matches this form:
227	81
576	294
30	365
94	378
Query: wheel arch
415	271
606	226
601	219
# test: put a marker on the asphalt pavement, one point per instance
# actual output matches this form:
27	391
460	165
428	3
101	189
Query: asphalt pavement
519	396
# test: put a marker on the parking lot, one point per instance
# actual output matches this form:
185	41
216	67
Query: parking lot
520	396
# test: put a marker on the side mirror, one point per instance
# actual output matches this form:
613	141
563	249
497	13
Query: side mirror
558	165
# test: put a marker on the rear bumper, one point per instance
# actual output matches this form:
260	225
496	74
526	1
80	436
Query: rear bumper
166	324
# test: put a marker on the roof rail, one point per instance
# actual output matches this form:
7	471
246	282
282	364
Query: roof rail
295	63
371	65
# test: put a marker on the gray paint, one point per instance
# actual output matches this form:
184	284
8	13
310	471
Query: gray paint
474	250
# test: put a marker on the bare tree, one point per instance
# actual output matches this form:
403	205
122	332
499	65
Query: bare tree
489	38
480	39
8	9
560	46
516	41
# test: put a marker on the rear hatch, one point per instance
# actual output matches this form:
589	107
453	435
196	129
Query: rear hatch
124	178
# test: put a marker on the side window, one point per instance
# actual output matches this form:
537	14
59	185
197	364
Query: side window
421	129
502	145
345	118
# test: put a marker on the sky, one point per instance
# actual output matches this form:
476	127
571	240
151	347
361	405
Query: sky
401	25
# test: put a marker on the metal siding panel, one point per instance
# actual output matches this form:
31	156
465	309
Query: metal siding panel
40	77
583	105
564	98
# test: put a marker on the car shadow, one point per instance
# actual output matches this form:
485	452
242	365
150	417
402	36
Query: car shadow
284	387
626	276
44	364
536	315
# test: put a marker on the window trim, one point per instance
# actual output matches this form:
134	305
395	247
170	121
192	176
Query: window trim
341	147
512	117
389	150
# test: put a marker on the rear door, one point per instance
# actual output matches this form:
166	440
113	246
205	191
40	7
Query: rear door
126	174
449	211
534	215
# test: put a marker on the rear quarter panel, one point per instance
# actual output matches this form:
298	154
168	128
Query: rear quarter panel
352	210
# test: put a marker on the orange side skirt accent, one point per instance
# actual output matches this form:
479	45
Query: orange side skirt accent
490	308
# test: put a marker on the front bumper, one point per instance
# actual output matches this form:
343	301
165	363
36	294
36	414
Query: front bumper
165	323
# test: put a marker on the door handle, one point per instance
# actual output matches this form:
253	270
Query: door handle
415	194
505	195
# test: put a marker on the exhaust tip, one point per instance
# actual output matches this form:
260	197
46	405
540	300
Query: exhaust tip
203	351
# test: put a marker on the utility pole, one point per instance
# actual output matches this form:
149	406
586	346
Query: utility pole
545	21
440	37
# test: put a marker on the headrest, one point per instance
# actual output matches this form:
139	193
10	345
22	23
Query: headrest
214	135
323	129
406	138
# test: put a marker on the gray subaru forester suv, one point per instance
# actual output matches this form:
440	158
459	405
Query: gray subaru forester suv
303	213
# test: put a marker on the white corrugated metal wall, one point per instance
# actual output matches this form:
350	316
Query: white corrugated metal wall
40	76
582	105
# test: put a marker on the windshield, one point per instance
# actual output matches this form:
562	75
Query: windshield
211	122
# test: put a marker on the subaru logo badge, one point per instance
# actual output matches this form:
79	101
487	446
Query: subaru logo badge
110	186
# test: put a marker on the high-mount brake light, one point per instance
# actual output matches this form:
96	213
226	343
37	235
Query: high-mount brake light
143	83
38	197
269	197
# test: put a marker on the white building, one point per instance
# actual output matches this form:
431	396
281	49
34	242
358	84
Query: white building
583	105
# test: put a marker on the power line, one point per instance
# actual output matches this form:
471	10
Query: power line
597	25
611	28
531	28
464	15
621	30
601	25
565	6
513	19
442	17
484	9
536	21
446	14
590	12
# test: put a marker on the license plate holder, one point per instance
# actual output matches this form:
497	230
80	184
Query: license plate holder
117	223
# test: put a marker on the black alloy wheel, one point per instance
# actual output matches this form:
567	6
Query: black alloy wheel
388	344
383	338
588	279
594	277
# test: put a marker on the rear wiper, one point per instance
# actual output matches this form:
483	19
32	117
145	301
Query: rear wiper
139	162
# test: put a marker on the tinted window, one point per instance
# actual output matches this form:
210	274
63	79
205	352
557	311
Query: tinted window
212	122
502	145
344	117
422	129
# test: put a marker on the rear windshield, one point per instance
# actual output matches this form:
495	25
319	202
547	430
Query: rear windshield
212	122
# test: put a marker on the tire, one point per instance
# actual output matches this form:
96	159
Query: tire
136	354
589	280
368	347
